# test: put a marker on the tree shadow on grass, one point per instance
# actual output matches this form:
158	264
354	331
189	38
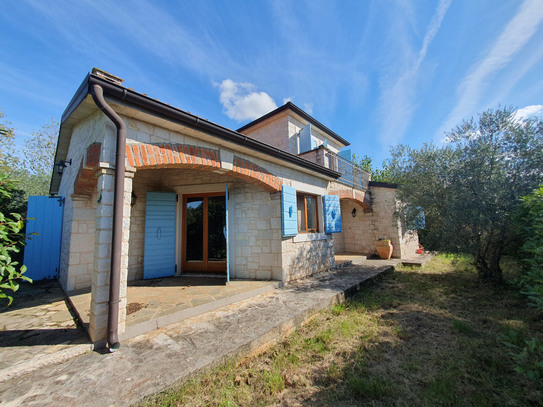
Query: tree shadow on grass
439	346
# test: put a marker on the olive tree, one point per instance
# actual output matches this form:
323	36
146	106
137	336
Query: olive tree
469	188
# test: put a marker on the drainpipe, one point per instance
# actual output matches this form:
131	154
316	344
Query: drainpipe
118	198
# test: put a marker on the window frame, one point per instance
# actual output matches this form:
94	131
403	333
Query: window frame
303	219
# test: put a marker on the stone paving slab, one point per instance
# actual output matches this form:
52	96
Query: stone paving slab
37	329
152	362
152	304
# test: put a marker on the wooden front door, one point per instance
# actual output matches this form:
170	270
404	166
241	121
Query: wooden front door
204	225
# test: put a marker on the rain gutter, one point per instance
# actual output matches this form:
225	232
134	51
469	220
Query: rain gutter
163	110
97	93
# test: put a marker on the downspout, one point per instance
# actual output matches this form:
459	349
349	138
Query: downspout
118	203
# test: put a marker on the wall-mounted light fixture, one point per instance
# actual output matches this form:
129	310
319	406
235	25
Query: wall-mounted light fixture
354	213
133	199
61	165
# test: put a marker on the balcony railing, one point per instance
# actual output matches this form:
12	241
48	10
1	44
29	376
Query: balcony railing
350	174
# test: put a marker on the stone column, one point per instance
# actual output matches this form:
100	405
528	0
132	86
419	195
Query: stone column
102	252
102	255
129	175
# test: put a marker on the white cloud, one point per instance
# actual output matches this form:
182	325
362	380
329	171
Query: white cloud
286	100
308	107
529	111
512	39
241	101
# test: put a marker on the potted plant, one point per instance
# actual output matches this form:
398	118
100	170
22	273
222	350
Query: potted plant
384	248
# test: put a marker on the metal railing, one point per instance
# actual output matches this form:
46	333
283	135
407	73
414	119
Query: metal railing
350	174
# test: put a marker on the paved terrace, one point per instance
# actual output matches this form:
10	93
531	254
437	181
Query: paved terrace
46	359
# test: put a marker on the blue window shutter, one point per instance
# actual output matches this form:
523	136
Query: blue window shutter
305	139
332	214
313	143
289	215
159	247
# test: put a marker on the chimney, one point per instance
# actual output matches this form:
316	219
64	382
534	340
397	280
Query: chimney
107	76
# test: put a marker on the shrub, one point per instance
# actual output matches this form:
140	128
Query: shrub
530	221
11	240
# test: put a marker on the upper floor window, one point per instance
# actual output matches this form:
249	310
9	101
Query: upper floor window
307	213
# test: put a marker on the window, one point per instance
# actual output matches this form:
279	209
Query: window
307	213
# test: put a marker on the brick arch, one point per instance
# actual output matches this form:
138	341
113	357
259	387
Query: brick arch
354	195
143	156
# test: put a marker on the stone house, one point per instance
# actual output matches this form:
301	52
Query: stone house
153	191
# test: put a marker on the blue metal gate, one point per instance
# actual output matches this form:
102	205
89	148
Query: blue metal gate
44	230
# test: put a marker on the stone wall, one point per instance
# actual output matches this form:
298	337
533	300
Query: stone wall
409	243
254	222
359	232
387	226
77	246
256	233
307	254
78	243
273	131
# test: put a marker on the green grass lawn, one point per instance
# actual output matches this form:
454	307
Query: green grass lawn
432	336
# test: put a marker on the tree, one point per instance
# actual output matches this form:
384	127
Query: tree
11	241
32	167
383	174
469	189
7	139
530	221
38	159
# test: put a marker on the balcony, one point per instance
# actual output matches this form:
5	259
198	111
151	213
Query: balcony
351	175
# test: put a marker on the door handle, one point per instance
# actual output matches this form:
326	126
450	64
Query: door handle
158	233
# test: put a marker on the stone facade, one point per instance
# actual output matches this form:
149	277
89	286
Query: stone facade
166	156
274	132
360	232
305	255
256	233
76	260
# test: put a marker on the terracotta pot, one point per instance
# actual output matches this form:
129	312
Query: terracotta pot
384	248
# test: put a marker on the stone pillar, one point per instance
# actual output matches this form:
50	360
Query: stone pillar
129	175
79	258
102	255
102	252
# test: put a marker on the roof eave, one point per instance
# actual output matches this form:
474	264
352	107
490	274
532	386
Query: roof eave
291	106
161	109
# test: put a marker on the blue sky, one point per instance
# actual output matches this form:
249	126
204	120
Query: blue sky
377	73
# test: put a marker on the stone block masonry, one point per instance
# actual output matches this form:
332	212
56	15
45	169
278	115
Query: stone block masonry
302	259
256	229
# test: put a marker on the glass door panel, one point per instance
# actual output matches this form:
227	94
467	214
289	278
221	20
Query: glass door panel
204	240
194	240
216	223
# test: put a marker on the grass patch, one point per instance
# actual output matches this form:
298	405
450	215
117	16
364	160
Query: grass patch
432	336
